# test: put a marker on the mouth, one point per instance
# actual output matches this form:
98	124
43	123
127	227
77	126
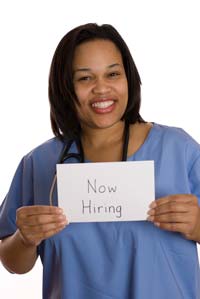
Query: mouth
103	106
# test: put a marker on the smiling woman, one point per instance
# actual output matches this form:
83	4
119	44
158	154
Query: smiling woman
100	84
94	94
97	55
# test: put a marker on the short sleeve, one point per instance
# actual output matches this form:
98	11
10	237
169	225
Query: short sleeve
20	194
194	178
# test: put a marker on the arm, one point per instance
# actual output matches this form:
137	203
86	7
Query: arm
16	256
18	252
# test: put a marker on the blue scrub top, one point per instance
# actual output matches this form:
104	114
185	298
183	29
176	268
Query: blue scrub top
121	260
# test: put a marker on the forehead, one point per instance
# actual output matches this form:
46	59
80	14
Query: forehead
96	52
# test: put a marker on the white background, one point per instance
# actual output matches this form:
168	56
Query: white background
163	37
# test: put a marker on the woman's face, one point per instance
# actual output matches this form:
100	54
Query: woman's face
100	84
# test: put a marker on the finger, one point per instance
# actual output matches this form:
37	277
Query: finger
35	220
40	231
174	227
184	198
170	217
169	207
38	220
51	233
43	232
37	238
38	210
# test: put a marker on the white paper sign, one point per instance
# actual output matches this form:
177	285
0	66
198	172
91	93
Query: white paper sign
112	191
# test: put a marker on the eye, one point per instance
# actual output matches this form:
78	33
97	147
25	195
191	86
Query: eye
84	78
114	74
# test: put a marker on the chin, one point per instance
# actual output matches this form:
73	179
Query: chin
101	123
106	125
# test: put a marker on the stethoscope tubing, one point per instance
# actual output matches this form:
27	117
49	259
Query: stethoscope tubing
65	155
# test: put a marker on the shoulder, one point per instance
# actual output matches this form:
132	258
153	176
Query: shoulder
175	134
179	140
37	168
43	157
50	147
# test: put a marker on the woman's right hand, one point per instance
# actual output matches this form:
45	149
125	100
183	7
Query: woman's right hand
36	223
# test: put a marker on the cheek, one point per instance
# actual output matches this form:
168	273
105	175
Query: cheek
81	109
82	95
123	91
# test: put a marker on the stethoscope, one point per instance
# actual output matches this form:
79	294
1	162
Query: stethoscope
65	155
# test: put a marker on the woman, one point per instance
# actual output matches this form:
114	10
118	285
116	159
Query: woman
94	93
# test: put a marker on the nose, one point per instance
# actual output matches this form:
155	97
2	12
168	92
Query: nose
101	86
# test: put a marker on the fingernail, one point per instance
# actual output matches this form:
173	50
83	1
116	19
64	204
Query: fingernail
61	217
64	223
153	204
151	212
157	224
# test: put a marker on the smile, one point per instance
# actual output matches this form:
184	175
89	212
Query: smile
102	104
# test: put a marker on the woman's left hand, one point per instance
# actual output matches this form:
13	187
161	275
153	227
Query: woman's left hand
177	213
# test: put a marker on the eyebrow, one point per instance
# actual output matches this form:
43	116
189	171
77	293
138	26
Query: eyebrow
88	69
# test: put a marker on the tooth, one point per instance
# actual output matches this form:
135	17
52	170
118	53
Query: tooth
102	104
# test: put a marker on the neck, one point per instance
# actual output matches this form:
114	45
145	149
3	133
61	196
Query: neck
96	137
